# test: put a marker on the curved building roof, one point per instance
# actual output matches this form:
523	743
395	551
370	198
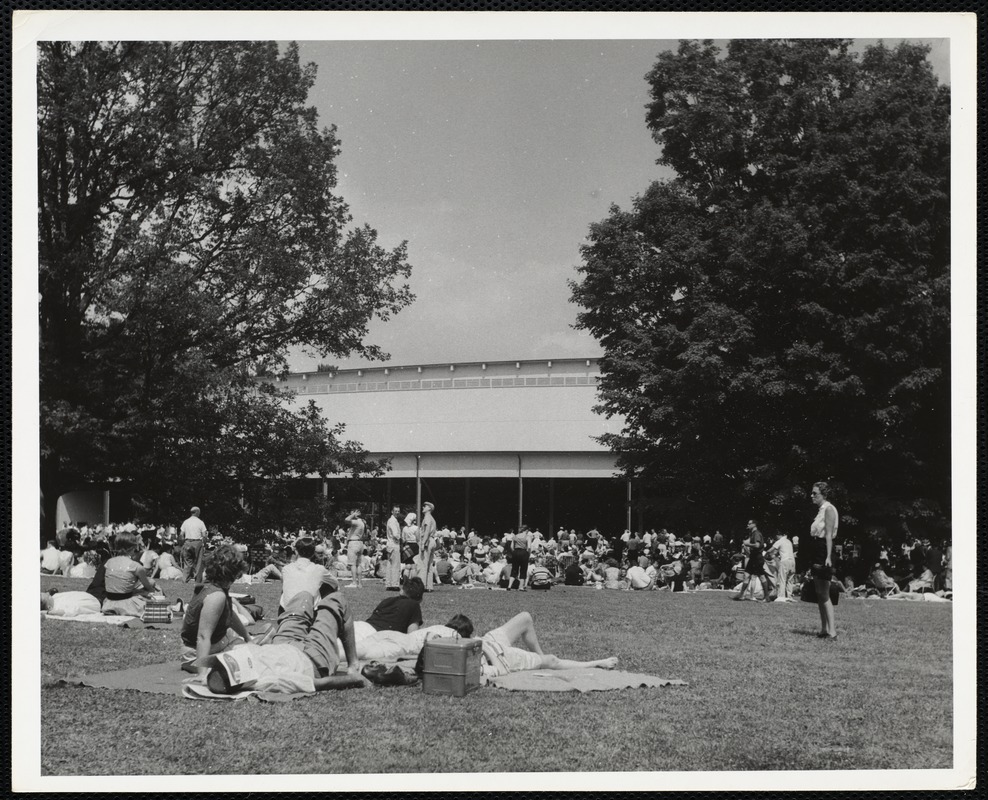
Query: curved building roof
538	408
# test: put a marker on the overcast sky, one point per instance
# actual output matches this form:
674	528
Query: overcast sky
492	159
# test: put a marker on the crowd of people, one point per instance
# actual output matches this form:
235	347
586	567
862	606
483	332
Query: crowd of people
413	555
766	566
314	630
412	545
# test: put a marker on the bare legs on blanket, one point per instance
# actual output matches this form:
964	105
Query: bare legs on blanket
521	628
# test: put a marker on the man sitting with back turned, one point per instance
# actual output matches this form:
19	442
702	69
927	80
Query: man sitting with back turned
305	575
402	613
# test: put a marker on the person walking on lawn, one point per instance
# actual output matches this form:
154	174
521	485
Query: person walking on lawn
755	568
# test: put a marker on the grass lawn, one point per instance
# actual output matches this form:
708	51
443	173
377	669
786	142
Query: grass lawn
763	694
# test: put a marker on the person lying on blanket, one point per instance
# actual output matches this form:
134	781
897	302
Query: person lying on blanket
393	645
69	604
500	656
298	655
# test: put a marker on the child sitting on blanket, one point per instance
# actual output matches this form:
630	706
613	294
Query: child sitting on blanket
210	624
126	584
300	654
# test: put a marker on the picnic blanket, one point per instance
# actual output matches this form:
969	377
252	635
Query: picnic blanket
587	679
109	619
168	678
120	620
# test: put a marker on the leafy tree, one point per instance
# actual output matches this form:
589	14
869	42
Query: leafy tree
779	312
189	236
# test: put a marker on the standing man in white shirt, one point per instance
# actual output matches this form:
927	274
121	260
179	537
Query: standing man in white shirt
392	577
194	535
786	565
427	543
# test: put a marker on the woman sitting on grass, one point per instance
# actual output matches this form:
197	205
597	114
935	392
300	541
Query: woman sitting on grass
86	568
299	654
880	580
613	576
126	584
165	567
210	617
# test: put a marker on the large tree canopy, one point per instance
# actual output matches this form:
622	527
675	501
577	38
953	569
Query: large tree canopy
188	237
779	312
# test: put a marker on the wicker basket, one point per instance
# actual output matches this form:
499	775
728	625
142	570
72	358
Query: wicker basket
157	611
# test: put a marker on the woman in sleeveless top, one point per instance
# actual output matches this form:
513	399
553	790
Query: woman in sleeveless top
210	624
822	533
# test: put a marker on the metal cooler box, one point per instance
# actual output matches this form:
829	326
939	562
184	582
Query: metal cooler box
451	666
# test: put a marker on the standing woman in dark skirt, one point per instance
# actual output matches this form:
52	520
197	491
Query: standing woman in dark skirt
521	542
822	533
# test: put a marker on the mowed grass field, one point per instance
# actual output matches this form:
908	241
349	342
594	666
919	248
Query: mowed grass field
763	694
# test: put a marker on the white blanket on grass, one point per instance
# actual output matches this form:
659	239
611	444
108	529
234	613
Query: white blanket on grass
109	619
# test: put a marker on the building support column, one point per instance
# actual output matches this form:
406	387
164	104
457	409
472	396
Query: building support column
628	507
106	506
418	489
521	496
466	504
552	499
641	512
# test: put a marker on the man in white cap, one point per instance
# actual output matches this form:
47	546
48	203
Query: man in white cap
427	544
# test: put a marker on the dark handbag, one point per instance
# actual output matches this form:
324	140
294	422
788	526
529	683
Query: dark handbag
807	592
